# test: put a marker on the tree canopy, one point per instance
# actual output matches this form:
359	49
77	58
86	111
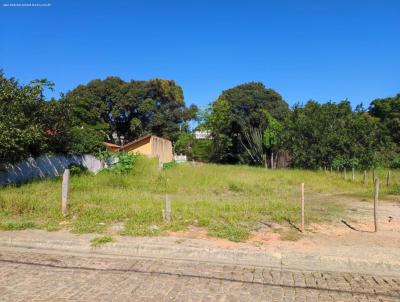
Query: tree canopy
247	123
238	109
318	135
130	109
28	124
388	112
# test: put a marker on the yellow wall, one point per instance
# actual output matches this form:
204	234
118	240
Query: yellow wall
142	147
153	147
161	148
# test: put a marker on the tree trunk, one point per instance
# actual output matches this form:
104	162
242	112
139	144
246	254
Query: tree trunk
265	161
272	160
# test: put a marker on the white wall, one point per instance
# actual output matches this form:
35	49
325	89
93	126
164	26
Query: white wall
46	166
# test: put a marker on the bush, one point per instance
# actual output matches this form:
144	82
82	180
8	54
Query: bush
395	164
125	162
76	169
85	140
202	150
170	165
341	163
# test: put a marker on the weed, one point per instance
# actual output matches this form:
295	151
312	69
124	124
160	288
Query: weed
234	187
14	226
97	241
170	165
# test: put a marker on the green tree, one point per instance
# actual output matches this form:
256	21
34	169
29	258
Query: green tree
236	111
272	137
184	144
130	108
388	112
318	135
21	127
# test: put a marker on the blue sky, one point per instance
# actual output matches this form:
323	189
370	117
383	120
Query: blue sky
321	50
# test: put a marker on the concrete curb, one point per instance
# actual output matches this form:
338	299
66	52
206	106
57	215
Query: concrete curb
277	260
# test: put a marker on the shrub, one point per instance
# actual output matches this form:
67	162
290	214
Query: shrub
85	140
170	165
125	162
101	240
202	150
342	162
76	169
395	164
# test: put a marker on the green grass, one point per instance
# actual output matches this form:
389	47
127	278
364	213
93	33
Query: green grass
228	201
17	225
97	241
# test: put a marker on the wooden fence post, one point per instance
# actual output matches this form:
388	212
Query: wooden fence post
302	206
352	174
376	196
64	193
167	211
388	178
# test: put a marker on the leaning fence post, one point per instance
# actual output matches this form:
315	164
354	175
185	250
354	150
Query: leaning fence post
167	211
64	193
388	178
376	195
302	206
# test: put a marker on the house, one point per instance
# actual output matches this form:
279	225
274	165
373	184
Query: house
111	147
149	145
202	134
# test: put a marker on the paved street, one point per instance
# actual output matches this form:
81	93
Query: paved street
48	277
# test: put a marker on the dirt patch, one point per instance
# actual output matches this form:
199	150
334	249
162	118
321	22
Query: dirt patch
115	228
199	233
354	229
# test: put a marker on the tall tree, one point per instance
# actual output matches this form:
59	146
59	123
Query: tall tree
236	111
272	138
130	108
318	135
388	112
22	129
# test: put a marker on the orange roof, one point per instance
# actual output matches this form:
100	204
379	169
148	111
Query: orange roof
135	141
111	145
114	146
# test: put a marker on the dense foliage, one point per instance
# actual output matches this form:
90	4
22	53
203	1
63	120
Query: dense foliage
235	111
324	135
130	109
28	124
311	135
85	117
248	123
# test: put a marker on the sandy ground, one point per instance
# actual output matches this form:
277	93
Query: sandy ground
356	229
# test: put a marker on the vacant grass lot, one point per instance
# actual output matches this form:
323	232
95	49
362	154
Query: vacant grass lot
228	201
